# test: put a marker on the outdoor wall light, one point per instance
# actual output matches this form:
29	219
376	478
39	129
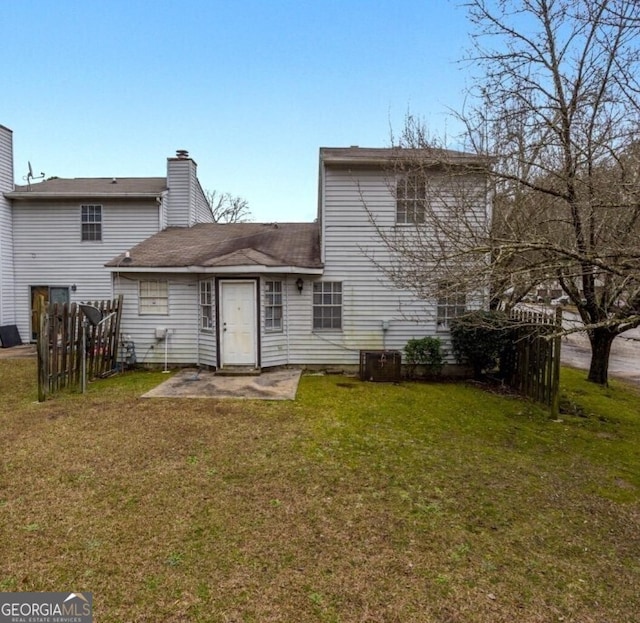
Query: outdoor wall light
299	284
74	287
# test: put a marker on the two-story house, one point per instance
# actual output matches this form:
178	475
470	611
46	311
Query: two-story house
261	295
224	295
57	235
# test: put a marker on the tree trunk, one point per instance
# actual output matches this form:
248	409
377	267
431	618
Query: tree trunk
601	340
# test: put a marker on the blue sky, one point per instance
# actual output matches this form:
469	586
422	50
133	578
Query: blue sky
251	88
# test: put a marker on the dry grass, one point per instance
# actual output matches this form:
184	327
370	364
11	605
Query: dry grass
355	503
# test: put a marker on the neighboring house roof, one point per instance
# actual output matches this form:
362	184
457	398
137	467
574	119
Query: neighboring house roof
214	246
91	188
379	156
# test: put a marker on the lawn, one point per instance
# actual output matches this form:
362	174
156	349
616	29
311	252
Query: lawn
355	503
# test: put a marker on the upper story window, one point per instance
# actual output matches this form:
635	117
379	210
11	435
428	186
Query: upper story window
411	196
327	305
273	306
154	297
206	306
450	305
91	222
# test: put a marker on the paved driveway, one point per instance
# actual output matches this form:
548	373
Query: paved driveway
624	362
26	350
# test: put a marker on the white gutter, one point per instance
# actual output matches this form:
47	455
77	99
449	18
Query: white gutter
286	320
17	196
322	206
227	270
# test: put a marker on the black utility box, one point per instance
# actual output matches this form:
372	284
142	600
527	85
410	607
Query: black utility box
382	366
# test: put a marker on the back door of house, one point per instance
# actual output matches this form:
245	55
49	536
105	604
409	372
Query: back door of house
49	294
238	323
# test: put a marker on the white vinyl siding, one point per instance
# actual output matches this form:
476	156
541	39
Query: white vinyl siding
374	314
352	254
153	297
7	290
185	205
180	198
48	249
185	344
351	249
201	210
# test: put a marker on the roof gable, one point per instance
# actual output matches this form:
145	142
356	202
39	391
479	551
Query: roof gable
244	257
210	245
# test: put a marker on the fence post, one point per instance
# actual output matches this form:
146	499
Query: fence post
116	332
42	347
555	386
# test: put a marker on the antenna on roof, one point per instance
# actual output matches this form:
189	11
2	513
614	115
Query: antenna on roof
30	176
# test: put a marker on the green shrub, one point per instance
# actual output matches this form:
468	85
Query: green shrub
427	352
481	338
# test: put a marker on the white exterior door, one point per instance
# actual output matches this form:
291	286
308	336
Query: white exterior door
238	325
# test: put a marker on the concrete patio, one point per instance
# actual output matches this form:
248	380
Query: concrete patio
193	383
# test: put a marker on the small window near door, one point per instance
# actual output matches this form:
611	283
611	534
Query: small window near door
206	306
154	298
273	306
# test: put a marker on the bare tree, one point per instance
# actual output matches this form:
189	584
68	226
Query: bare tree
228	209
556	107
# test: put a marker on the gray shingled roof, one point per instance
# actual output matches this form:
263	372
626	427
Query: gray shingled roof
92	187
210	245
379	156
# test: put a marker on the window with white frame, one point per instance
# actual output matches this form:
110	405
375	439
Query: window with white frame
91	222
153	297
411	196
206	306
273	306
450	305
327	305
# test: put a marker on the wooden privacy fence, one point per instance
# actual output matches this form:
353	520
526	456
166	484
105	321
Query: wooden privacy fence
60	344
534	366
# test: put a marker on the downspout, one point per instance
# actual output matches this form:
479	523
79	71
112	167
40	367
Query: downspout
286	301
198	322
162	221
321	207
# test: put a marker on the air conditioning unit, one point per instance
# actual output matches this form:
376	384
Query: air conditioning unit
381	366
